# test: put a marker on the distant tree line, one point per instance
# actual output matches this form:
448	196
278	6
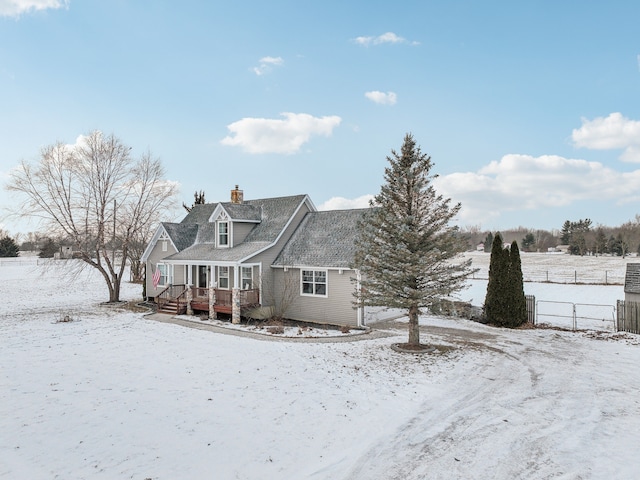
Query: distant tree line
580	237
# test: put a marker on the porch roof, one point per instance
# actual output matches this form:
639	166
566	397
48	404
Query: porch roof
207	253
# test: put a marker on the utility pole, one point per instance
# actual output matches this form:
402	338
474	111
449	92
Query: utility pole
113	242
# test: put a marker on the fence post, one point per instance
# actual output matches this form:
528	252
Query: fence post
575	322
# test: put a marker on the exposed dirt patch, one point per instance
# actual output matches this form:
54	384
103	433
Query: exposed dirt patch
430	349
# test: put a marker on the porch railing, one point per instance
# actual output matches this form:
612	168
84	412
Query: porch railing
171	293
248	298
200	295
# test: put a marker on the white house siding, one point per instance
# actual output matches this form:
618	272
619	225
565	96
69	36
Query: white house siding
334	309
156	256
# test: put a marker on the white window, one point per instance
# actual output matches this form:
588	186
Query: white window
223	234
166	272
247	278
164	245
314	282
223	277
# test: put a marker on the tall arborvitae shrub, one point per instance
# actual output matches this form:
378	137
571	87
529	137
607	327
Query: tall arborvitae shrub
517	300
494	303
505	303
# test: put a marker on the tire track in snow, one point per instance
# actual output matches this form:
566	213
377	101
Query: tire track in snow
483	424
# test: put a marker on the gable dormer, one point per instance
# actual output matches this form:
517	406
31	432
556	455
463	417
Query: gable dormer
223	227
233	222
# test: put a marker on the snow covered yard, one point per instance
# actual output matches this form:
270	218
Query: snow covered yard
115	395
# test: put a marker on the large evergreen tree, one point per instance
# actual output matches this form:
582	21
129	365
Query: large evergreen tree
406	251
8	247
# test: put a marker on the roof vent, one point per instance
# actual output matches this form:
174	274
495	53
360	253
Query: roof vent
236	195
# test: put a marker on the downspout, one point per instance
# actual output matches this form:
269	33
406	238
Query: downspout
359	308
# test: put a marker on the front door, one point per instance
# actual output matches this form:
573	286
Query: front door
202	276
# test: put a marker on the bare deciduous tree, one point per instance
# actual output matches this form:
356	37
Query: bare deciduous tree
98	196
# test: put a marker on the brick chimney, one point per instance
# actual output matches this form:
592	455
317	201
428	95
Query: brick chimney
236	195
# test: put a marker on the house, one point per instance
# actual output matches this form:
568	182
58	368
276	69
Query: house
257	258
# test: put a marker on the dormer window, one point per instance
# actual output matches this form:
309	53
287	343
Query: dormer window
223	234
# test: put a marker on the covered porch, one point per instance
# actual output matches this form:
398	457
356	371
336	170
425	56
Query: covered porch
183	299
212	288
223	299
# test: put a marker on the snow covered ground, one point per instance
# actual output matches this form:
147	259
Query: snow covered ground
114	395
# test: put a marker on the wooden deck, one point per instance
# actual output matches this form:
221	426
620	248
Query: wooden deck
223	303
173	299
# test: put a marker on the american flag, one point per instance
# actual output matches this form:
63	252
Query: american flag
156	277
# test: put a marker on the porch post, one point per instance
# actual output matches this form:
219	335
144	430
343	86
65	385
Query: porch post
235	305
189	299
188	282
235	297
212	300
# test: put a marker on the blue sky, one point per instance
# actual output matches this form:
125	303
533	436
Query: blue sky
529	110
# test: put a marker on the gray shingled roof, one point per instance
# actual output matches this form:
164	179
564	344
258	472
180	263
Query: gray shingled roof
195	235
242	211
276	212
200	213
181	235
206	233
323	239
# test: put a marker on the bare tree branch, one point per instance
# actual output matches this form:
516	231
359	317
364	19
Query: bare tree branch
96	195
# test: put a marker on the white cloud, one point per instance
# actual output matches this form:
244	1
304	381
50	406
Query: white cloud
266	64
388	37
382	98
341	203
522	182
287	135
607	133
14	8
